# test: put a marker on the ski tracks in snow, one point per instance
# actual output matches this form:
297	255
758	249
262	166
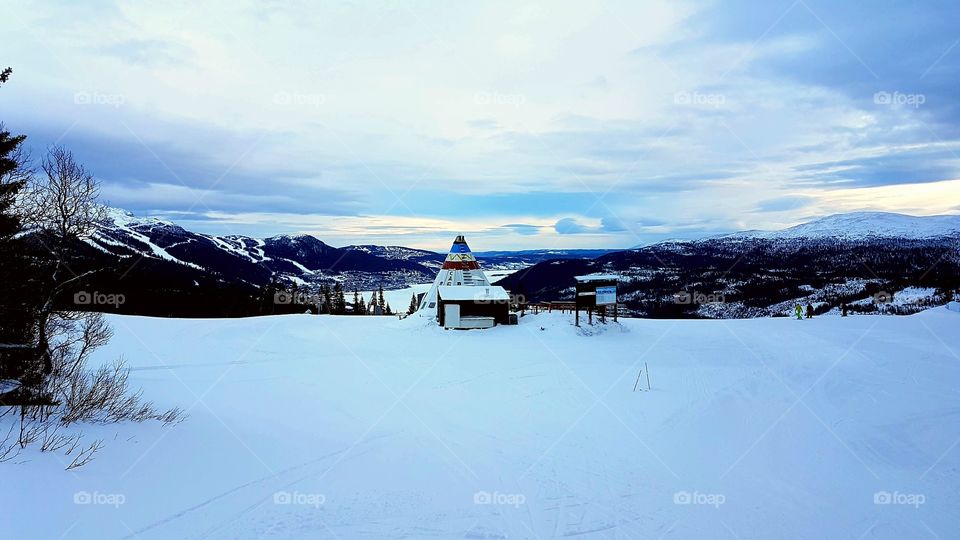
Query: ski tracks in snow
259	486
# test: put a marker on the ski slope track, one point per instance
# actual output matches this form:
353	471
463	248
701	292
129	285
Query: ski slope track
370	427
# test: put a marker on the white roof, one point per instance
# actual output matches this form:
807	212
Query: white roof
598	277
465	292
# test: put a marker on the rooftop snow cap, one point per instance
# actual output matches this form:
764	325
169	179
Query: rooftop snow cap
460	268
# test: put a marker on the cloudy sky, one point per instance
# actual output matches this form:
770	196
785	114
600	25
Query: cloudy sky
520	124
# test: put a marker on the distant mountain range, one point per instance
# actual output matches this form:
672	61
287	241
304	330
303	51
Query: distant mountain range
301	259
164	269
860	259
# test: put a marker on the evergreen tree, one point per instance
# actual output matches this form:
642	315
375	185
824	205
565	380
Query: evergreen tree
383	304
387	310
339	301
12	181
268	296
372	308
413	304
294	295
327	298
17	331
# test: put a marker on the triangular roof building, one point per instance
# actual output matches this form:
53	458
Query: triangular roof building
459	268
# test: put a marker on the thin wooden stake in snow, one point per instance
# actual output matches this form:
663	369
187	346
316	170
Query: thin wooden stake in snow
638	380
647	369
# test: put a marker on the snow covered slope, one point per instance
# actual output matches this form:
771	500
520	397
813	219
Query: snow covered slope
369	427
234	258
127	230
860	225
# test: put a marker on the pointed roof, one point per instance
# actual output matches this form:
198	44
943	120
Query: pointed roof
460	268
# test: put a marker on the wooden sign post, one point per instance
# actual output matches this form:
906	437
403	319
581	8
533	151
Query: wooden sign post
596	291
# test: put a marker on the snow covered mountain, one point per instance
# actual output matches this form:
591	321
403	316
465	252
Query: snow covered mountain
295	258
864	225
848	259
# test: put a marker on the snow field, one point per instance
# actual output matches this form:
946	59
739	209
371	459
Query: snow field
369	427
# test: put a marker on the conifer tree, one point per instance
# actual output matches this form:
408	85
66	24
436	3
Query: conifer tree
15	288
268	296
413	304
326	298
12	181
374	303
358	305
339	301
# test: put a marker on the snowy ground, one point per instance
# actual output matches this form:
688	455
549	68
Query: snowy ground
370	427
